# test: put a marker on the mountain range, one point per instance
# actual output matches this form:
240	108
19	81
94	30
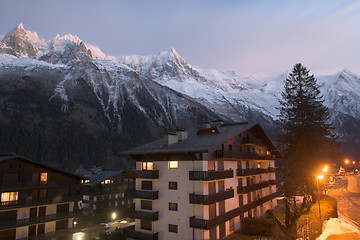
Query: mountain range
65	101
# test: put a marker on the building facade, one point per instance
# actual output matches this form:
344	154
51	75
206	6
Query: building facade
199	184
36	200
110	189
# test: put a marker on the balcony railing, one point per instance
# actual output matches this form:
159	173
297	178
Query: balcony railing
147	194
28	185
35	220
210	199
242	155
142	235
210	175
211	223
35	202
251	141
151	216
254	187
148	174
251	171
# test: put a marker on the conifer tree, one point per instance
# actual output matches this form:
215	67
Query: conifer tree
305	132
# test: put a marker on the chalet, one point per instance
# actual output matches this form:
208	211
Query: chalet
36	200
199	184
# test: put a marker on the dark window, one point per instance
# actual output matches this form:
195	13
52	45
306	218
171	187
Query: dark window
173	228
240	182
146	185
62	208
230	147
173	185
241	200
146	224
173	206
146	204
41	229
32	230
240	149
42	211
62	224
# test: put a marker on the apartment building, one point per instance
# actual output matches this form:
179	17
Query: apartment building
36	200
114	188
198	184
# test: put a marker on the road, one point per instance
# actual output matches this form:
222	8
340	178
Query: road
348	203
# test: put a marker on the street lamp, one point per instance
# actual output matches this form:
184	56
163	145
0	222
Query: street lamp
113	215
347	161
317	182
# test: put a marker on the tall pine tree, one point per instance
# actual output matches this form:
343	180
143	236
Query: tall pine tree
305	132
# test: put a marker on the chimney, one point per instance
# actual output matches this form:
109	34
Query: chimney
217	123
206	125
182	134
171	138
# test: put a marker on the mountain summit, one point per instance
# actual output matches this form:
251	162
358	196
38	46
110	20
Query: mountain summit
79	105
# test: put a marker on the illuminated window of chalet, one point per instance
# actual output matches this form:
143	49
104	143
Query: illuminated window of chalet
259	165
43	177
147	166
173	164
107	181
212	130
267	152
9	196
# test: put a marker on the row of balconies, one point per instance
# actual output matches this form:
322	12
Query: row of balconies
211	223
254	187
35	202
242	155
208	175
36	220
29	185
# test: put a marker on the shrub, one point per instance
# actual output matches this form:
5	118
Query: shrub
258	226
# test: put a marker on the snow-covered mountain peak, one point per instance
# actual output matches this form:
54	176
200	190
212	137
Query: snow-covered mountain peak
22	43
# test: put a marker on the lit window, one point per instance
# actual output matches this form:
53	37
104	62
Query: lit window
43	177
268	153
86	181
107	181
147	166
259	165
9	197
173	164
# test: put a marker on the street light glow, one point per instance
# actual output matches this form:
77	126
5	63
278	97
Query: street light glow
326	166
347	161
320	176
353	162
113	215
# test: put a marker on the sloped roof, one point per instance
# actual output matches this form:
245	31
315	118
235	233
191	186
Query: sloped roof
12	156
201	142
97	178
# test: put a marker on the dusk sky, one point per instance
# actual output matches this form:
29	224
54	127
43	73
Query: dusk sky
250	37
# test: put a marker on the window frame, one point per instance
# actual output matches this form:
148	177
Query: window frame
173	162
173	188
173	206
173	228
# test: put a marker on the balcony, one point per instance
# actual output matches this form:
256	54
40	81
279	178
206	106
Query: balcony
148	174
251	171
251	141
211	223
35	220
210	175
242	155
147	194
253	187
151	216
28	185
36	202
210	199
143	236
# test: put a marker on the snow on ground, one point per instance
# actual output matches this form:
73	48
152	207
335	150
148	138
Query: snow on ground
336	226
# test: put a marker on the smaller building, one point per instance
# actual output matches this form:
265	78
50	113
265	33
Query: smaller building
36	200
108	189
